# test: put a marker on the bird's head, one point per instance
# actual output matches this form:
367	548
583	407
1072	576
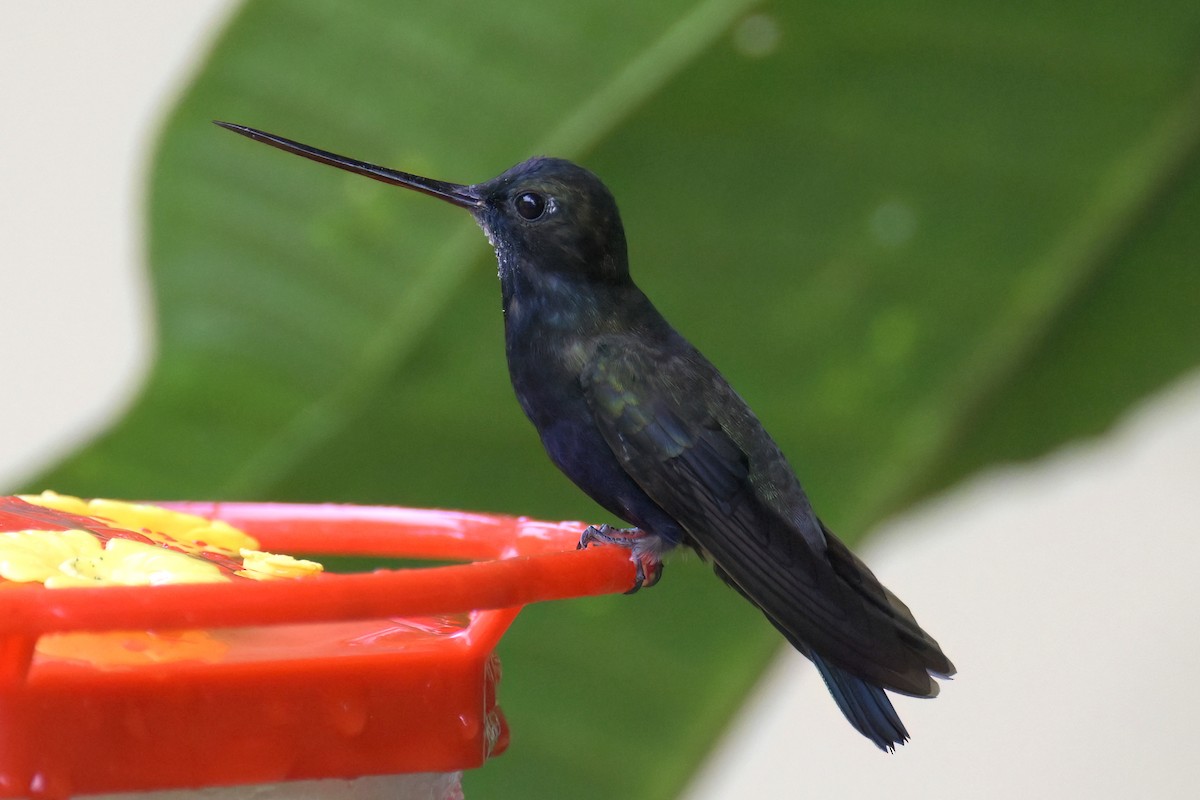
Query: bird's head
545	216
548	215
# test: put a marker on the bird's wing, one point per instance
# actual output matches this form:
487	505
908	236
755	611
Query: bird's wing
680	432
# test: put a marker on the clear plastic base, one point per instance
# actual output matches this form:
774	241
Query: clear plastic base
420	786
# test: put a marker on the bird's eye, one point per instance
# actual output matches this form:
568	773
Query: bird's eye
530	205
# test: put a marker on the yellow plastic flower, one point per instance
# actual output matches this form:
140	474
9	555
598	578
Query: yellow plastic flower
131	544
172	547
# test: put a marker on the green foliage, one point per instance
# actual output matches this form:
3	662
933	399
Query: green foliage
917	238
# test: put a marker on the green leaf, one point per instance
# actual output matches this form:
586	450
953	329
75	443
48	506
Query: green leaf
917	238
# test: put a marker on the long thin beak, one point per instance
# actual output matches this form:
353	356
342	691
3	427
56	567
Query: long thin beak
454	193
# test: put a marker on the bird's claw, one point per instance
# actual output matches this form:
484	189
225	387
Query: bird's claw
648	566
640	578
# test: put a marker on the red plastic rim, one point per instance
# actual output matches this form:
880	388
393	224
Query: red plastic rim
329	676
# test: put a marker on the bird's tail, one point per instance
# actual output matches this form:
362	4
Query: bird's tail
865	705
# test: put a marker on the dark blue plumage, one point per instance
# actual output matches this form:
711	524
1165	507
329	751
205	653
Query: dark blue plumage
864	704
642	422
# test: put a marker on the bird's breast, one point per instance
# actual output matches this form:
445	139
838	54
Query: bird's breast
544	368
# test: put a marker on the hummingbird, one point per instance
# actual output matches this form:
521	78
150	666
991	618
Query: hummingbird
645	425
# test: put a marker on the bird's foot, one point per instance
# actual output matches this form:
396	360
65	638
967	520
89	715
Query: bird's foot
646	561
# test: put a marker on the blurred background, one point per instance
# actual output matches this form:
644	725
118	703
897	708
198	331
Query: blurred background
948	252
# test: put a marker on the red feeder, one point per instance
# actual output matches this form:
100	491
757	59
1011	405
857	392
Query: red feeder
331	676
